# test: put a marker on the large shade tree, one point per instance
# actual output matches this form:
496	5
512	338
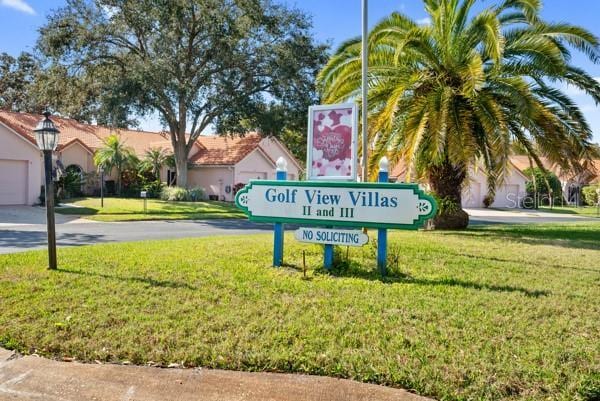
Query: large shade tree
231	64
458	91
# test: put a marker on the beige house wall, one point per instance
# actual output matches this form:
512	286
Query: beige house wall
214	180
254	166
15	147
78	155
275	150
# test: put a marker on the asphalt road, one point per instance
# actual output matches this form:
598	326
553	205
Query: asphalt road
23	228
19	238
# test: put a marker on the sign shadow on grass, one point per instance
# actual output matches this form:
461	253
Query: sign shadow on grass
151	282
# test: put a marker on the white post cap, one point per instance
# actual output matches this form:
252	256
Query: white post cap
384	164
281	164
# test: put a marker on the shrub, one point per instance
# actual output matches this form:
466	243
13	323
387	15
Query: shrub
589	194
543	196
182	194
196	194
174	194
153	189
237	187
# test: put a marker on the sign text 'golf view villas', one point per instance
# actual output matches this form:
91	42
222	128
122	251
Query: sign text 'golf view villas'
378	205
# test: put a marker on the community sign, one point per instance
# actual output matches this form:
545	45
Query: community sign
349	204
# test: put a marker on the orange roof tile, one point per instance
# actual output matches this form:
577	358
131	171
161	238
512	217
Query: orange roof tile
214	150
89	135
222	150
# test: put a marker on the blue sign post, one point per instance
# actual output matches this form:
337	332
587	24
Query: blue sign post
281	175
382	232
380	205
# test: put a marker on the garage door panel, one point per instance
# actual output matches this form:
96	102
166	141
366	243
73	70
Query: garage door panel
13	182
471	196
506	196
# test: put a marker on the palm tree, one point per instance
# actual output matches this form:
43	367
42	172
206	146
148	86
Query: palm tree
115	155
154	160
458	91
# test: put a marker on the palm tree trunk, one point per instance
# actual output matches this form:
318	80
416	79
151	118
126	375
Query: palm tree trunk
534	182
119	175
447	181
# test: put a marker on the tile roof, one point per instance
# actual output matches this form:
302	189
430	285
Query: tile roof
90	135
213	150
521	163
223	150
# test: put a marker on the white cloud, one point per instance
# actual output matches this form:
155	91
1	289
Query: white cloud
424	21
573	91
19	5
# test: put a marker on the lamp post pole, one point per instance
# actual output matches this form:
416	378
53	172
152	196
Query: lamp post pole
49	188
365	65
46	136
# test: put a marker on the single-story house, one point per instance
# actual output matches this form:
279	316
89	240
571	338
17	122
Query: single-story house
216	163
513	190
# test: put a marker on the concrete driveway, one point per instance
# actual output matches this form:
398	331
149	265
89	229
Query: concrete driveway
522	216
27	215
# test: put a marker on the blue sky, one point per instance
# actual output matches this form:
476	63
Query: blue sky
334	21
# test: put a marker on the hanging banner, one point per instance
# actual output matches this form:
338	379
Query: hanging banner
348	204
332	136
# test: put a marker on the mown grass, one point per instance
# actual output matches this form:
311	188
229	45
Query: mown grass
129	209
497	312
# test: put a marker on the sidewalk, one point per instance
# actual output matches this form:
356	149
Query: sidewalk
32	378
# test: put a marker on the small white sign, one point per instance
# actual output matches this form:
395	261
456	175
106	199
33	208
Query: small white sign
331	236
143	194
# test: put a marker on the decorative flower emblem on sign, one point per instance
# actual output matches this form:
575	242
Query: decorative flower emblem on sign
243	199
424	206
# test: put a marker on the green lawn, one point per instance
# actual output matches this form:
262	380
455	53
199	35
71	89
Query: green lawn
587	211
498	312
127	209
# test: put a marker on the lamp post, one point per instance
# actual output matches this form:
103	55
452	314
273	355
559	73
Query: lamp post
101	171
46	136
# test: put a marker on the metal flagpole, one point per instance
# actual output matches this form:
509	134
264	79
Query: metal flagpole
365	56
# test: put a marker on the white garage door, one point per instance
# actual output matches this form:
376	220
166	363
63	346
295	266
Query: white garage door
471	196
507	196
13	182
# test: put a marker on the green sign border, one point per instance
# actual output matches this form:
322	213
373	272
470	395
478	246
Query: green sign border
315	222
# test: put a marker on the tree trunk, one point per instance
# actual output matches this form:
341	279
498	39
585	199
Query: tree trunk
118	183
447	181
181	164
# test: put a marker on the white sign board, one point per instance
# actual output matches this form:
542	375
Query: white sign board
331	236
350	204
